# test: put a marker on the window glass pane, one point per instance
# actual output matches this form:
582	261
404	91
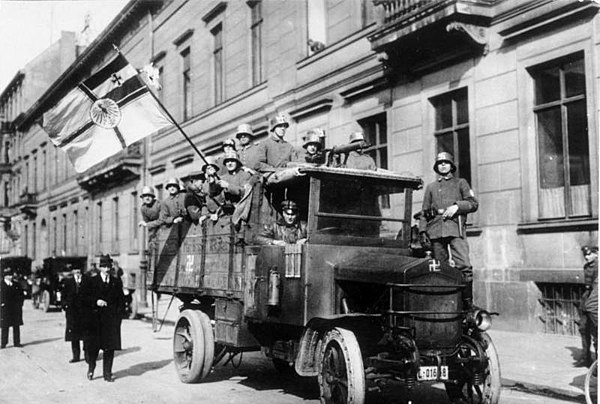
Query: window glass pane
574	78
443	113
550	148
579	164
463	160
445	143
547	85
462	107
382	131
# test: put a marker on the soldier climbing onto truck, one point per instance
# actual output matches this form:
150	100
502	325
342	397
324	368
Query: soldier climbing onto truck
289	230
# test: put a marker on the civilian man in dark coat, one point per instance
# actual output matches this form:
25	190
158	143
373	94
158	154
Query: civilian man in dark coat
11	308
71	297
103	301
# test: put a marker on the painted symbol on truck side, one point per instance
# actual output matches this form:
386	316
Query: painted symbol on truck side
189	263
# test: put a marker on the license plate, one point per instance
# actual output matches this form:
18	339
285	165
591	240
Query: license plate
431	373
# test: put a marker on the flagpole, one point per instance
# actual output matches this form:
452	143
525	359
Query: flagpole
166	111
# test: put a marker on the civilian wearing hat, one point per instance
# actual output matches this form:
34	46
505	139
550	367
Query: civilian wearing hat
195	199
103	302
234	183
275	152
71	303
588	308
11	308
150	211
248	150
172	208
357	159
446	203
288	230
313	144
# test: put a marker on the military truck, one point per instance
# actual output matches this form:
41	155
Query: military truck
356	305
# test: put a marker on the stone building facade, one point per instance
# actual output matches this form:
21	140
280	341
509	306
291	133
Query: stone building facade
509	87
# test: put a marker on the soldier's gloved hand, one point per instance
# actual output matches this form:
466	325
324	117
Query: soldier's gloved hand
450	212
301	241
279	242
101	303
249	170
214	217
223	184
142	223
178	219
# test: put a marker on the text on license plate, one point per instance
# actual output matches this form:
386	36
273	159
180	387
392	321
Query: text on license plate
431	373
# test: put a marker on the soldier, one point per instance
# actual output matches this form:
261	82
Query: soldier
11	309
71	297
228	146
290	230
313	144
248	149
150	214
443	223
357	158
234	183
588	308
213	202
172	209
274	152
195	199
103	302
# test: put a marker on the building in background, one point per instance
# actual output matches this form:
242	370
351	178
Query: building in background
508	87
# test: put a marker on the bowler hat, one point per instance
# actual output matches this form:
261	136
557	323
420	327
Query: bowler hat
289	206
105	261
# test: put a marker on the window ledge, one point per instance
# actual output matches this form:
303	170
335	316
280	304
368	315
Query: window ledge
558	226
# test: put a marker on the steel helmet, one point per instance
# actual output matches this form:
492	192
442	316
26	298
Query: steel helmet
244	129
209	162
357	136
229	142
587	250
172	182
279	120
148	191
444	156
232	155
312	138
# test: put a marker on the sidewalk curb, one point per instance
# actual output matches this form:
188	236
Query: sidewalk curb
543	390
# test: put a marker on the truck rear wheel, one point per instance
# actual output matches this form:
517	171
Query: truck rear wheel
341	373
488	391
188	346
45	301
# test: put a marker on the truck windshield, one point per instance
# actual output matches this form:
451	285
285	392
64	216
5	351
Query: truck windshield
361	208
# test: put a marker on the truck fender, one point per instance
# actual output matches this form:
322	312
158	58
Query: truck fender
307	362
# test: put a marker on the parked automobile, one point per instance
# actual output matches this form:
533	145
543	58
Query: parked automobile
53	271
21	267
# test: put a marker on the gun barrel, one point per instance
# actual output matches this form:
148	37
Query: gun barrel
347	148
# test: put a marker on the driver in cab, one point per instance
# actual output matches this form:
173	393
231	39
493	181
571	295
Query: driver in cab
288	230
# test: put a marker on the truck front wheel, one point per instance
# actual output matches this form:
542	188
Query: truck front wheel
193	346
341	374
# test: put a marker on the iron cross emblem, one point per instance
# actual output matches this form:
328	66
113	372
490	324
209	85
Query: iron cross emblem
434	266
117	80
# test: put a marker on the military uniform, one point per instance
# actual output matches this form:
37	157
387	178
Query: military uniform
248	155
446	191
360	161
274	153
281	231
172	206
151	215
588	309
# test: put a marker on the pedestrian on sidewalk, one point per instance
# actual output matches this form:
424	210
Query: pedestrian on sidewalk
71	297
588	307
11	308
443	222
103	301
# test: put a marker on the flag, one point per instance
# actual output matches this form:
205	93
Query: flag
103	115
